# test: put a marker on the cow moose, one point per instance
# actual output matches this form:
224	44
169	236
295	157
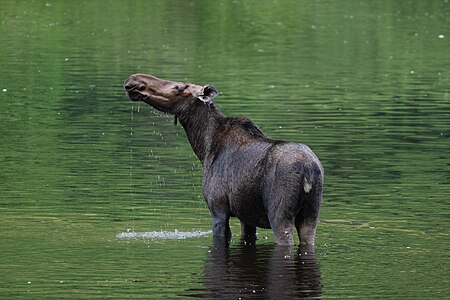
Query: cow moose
264	182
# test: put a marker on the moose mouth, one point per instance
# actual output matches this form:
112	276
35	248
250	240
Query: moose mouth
135	95
133	92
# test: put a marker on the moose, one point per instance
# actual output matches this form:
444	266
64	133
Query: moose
264	182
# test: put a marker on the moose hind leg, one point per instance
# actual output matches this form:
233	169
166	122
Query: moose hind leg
248	232
283	231
307	218
306	229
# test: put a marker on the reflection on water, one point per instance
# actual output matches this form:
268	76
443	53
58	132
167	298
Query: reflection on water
255	271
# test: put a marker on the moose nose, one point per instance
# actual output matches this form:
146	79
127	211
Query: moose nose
132	84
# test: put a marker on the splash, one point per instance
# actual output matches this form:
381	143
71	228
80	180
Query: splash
165	235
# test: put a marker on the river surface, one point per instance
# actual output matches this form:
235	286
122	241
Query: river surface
101	197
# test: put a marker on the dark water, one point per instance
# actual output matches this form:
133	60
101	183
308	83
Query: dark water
364	83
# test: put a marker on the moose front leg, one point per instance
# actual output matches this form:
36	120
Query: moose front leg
221	226
219	209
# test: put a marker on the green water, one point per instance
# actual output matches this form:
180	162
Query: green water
364	83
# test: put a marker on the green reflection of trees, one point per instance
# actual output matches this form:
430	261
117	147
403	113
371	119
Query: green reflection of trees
283	63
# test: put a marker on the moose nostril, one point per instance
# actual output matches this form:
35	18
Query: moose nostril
134	86
129	86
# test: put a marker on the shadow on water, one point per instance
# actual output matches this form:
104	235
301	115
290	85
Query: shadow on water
259	272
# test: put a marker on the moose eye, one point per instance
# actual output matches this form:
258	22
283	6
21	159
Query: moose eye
179	88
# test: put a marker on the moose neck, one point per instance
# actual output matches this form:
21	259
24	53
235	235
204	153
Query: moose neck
200	124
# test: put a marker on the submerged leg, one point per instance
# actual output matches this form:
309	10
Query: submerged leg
283	231
248	232
221	226
306	230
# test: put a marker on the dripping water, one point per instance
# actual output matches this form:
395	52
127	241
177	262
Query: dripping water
131	161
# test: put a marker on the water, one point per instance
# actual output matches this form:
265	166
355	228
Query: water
364	84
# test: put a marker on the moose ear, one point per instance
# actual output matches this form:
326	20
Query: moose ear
207	94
